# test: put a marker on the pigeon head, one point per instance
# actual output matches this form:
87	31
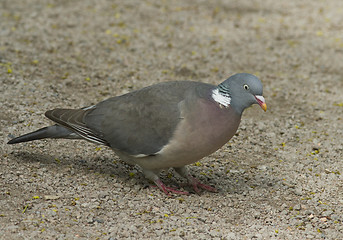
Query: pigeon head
240	91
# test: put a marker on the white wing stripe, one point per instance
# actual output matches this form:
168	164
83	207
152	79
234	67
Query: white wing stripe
87	134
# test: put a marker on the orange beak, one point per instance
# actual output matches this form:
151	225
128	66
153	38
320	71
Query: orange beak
260	100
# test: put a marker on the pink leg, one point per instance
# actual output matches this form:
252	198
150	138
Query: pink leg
168	190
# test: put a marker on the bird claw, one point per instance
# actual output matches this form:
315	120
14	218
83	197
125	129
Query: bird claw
196	184
168	190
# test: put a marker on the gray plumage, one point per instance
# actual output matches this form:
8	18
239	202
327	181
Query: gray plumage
165	125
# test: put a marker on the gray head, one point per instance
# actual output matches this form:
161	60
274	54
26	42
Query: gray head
240	91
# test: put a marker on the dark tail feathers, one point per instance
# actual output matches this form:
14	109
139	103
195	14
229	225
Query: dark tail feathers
55	131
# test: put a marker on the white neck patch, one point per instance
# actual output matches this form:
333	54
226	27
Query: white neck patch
220	98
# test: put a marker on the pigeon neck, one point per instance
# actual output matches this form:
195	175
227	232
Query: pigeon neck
221	95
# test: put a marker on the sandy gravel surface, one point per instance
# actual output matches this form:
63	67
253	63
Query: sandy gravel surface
279	178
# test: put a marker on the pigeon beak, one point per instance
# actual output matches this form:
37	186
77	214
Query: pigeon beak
260	100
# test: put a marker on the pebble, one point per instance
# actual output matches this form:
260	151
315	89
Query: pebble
231	236
262	167
308	212
297	207
327	213
284	212
103	194
98	220
298	191
284	205
51	197
336	217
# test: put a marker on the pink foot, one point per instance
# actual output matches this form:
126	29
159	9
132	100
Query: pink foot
196	184
168	190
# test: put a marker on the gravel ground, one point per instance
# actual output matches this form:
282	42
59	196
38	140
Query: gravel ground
280	177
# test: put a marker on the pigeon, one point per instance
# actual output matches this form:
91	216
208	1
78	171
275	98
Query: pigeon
162	126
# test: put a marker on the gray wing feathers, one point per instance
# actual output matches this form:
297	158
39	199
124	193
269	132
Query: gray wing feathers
140	122
73	119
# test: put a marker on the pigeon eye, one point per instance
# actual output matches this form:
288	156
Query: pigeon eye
246	87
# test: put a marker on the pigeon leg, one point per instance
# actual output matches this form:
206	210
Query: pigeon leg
195	183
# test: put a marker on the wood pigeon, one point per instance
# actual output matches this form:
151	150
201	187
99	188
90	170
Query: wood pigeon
166	125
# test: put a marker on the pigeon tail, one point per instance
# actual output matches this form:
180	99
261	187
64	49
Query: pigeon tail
55	131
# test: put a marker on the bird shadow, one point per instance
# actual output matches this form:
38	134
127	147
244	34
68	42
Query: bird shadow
105	166
88	164
115	168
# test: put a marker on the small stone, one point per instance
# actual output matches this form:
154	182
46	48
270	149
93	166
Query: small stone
159	232
90	220
298	191
288	184
310	236
335	217
262	167
51	197
200	236
327	213
297	207
308	212
258	236
118	185
284	212
214	233
102	194
85	205
99	220
231	236
308	227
